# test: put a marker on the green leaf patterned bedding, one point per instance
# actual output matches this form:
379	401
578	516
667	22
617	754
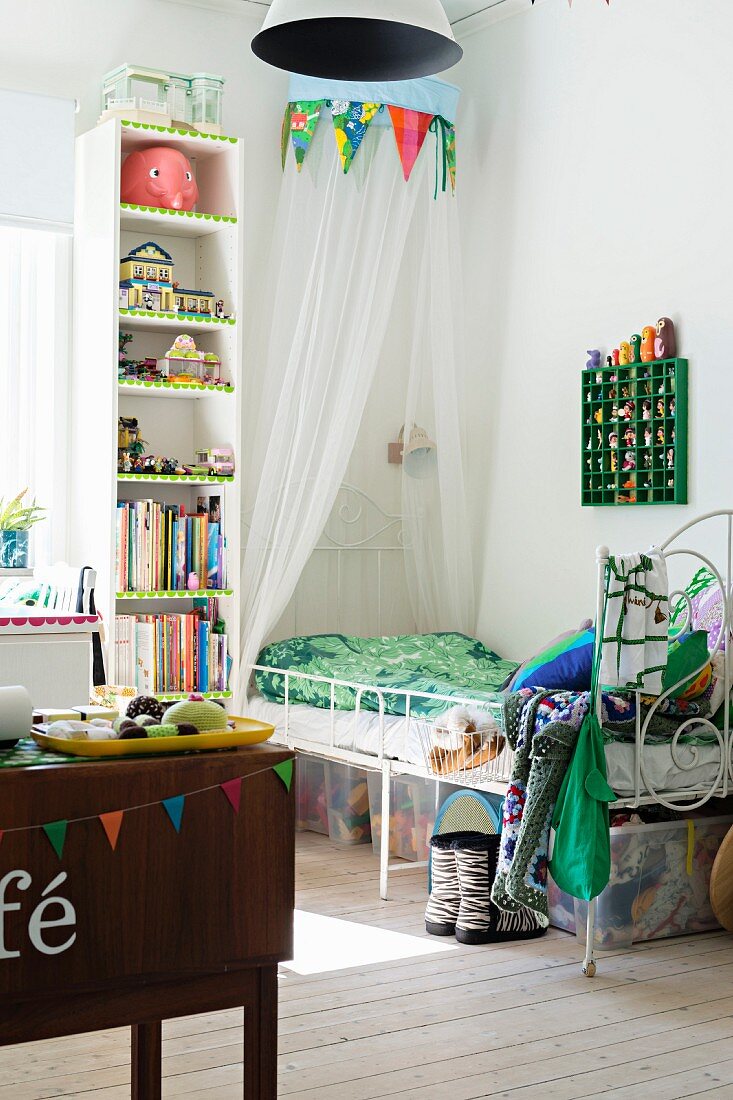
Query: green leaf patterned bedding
440	664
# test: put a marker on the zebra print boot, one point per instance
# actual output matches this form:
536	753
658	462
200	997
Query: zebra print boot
479	920
445	897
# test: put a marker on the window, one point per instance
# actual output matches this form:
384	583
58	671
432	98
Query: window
163	274
137	271
204	305
192	305
151	272
35	279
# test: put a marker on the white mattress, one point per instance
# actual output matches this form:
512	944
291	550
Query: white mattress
360	733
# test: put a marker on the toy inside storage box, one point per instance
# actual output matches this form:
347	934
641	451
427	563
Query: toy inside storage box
659	886
347	801
332	799
311	813
412	815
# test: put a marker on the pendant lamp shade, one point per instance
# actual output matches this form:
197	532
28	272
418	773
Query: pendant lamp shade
358	39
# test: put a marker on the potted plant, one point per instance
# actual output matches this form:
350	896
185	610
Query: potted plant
16	520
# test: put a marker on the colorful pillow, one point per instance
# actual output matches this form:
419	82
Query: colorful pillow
564	665
686	654
707	608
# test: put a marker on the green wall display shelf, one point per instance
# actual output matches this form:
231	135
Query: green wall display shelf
634	434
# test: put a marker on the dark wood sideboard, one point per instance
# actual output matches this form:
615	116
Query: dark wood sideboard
167	924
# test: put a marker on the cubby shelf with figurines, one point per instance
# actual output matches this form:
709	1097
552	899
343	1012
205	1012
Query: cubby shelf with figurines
634	430
156	427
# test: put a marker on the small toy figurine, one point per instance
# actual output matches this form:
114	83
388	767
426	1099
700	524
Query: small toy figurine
625	391
660	436
672	435
670	459
609	360
159	176
613	439
647	459
665	343
630	483
646	410
635	353
594	358
615	355
219	310
613	378
623	353
614	462
614	412
627	412
126	463
660	408
588	396
192	582
647	484
612	393
599	377
589	444
660	387
629	461
647	437
648	334
671	406
670	483
629	438
598	416
600	438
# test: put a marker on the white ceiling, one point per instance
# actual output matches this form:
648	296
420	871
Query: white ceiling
456	9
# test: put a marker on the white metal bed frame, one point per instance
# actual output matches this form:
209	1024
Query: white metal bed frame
495	775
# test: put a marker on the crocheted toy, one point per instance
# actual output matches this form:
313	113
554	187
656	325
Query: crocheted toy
145	704
196	711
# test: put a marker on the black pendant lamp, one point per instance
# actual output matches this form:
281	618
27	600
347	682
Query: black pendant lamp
358	39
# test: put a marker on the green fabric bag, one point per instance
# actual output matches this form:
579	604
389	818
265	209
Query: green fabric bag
581	853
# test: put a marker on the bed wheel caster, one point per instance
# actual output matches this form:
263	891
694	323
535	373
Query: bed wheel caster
589	969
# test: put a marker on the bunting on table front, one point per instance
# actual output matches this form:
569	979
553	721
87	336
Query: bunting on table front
351	120
111	821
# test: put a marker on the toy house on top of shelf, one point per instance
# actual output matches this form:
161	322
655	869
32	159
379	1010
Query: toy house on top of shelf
189	101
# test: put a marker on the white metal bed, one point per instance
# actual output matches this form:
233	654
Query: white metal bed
494	775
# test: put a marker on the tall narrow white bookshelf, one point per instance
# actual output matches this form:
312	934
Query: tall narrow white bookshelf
206	246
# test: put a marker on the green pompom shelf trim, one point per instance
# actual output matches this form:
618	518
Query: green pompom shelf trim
202	479
179	213
174	130
174	385
177	316
177	593
174	697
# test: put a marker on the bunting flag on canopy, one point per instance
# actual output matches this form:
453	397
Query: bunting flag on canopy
351	120
410	130
350	124
285	772
303	119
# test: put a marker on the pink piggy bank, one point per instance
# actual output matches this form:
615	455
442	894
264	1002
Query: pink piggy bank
159	177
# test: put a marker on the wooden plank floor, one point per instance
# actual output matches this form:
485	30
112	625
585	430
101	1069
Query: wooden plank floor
513	1021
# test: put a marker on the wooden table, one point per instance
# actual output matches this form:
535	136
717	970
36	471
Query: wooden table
168	924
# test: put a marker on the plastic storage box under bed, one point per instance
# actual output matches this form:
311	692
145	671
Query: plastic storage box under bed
659	885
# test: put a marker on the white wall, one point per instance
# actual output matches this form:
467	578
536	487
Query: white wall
595	156
64	49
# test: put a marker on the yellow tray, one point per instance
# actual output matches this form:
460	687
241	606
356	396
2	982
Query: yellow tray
247	731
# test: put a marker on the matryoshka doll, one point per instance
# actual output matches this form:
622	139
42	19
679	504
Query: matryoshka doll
648	336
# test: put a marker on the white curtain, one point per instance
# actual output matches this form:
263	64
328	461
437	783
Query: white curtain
35	275
341	245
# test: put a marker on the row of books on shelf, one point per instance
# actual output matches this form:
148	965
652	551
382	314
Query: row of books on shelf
165	654
161	548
